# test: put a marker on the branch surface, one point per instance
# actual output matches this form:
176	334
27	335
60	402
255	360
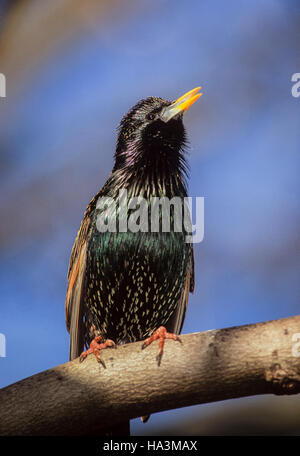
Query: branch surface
84	398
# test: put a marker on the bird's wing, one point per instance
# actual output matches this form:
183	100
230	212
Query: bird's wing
76	280
175	324
75	290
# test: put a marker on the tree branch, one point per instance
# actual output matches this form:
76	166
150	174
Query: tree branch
77	399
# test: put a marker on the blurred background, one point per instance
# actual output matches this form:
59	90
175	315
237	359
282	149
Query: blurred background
72	70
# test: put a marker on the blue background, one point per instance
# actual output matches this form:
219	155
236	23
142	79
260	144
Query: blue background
57	138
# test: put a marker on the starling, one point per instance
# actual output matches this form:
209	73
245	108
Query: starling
123	285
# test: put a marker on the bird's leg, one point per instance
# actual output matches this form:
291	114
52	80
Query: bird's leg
161	334
95	348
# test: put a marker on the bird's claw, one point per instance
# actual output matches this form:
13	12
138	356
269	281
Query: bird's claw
161	334
95	348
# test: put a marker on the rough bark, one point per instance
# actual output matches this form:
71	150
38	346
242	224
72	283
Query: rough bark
82	399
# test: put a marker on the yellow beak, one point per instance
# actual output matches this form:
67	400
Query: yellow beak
182	104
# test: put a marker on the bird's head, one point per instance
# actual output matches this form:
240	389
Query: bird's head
152	133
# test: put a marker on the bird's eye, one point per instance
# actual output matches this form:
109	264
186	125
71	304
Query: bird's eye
151	116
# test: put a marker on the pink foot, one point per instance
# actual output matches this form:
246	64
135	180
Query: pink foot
95	348
161	334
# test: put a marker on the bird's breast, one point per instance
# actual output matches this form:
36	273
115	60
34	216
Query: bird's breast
134	282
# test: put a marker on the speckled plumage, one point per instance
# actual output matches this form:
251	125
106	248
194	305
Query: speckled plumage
123	286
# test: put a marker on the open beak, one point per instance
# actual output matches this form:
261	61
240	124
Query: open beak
181	105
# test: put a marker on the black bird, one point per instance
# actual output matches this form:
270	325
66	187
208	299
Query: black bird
126	286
